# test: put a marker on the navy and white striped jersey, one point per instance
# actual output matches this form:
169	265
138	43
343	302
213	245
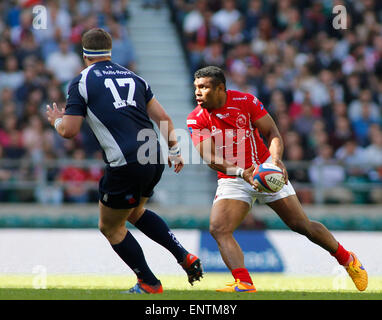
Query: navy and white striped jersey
113	100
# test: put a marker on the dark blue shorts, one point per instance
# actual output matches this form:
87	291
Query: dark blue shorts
122	187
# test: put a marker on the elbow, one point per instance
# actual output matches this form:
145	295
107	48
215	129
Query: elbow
67	134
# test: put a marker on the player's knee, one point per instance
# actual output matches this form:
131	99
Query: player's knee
136	214
106	230
218	230
103	228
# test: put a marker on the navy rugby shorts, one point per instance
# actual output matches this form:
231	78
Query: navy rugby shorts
122	187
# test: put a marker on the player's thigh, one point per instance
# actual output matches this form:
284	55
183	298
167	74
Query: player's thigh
111	218
137	212
289	209
227	215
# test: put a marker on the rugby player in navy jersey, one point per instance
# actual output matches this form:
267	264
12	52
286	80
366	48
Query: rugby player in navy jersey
118	106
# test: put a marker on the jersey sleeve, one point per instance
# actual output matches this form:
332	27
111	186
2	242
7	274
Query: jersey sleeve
75	104
198	129
256	108
148	92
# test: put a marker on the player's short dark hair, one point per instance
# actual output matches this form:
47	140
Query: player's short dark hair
215	73
96	39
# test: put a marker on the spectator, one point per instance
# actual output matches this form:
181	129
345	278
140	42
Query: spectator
25	24
9	125
234	36
35	137
75	178
356	106
12	77
6	50
6	97
5	175
361	125
123	52
59	21
14	148
303	123
28	48
373	153
332	111
373	160
252	16
297	173
30	83
64	64
202	40
326	173
262	36
352	87
342	132
353	156
53	193
226	16
213	55
195	19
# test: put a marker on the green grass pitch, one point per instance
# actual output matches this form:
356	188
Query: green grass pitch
111	287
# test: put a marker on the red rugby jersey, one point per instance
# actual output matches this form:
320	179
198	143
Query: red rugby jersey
232	129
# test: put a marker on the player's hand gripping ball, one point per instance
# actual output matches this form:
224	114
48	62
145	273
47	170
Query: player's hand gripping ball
270	178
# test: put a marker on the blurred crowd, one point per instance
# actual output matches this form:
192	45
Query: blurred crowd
38	58
322	84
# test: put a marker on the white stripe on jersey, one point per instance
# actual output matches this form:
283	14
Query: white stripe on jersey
82	83
112	150
255	157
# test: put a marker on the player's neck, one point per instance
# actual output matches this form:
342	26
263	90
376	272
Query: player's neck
90	62
222	100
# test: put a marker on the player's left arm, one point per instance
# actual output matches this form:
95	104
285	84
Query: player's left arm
267	127
159	115
67	121
67	126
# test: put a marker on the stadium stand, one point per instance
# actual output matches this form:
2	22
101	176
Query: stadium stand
323	87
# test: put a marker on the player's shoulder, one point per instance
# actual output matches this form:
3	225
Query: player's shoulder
240	97
83	75
244	99
75	80
196	113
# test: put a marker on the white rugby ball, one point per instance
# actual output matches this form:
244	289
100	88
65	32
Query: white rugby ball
269	177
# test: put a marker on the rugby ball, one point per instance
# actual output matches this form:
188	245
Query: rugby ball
269	177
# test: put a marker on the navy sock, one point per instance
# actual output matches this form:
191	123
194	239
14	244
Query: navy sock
132	254
156	229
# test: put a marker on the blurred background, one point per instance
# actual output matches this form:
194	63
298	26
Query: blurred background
321	84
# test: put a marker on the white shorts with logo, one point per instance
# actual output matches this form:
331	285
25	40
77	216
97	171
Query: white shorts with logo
239	189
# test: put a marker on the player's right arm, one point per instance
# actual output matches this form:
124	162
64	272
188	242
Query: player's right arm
207	151
205	145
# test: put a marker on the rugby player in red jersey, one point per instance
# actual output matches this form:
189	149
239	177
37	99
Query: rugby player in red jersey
225	128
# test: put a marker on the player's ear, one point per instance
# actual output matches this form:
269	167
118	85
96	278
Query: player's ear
87	61
221	87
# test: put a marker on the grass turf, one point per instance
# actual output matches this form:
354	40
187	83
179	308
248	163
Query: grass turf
269	287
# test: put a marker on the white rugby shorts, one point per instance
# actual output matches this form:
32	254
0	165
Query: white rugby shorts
239	189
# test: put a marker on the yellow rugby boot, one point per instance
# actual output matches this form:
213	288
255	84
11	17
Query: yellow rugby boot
238	286
357	273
